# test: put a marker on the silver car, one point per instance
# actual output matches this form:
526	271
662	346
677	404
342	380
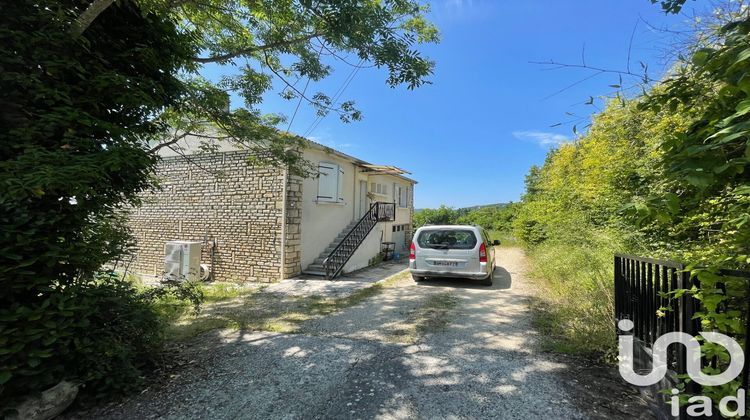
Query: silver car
452	251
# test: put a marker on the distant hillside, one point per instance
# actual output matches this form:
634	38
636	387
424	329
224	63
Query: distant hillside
482	206
472	208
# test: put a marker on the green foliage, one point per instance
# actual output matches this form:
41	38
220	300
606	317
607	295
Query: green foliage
499	218
103	334
441	216
493	217
98	333
704	198
262	45
703	205
670	6
576	295
77	120
69	162
663	175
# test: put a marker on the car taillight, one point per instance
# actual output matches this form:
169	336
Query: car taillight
412	252
482	253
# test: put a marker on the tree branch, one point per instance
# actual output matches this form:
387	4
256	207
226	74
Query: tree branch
88	16
644	77
246	51
297	91
169	143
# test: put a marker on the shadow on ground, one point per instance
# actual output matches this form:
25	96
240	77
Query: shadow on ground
502	280
477	359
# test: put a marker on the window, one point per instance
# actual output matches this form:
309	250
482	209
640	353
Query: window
377	188
330	183
401	195
447	239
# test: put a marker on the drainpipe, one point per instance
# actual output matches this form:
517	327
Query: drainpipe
285	184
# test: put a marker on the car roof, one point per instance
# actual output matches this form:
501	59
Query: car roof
449	227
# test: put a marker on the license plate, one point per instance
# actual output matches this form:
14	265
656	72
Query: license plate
446	263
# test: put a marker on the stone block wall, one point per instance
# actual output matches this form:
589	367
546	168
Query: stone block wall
216	198
293	244
409	229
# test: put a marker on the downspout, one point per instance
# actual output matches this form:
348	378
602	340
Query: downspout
285	185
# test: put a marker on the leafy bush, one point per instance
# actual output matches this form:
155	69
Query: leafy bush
441	216
77	120
665	174
102	334
97	333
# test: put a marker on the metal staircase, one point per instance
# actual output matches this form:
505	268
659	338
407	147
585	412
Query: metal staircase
337	254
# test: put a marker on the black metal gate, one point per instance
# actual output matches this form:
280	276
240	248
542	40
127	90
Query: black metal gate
640	288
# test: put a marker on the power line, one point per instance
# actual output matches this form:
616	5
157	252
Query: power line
298	104
304	91
336	97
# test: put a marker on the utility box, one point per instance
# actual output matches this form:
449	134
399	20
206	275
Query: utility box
182	260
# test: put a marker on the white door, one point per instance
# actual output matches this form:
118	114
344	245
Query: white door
399	237
363	204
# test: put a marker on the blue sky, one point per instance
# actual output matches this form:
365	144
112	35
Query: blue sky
471	136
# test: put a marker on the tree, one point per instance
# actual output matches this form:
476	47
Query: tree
91	90
77	118
441	216
289	43
665	174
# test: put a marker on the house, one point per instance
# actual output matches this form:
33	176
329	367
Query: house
265	224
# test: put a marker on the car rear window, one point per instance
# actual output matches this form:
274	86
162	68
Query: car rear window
447	239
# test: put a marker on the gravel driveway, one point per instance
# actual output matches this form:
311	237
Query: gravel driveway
437	349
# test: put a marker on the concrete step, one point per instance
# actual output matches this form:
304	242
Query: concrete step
314	273
316	268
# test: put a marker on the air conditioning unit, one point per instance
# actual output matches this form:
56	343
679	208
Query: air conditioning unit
182	260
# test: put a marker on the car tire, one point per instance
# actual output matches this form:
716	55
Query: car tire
488	280
417	278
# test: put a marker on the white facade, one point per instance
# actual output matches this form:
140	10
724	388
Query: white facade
324	217
341	191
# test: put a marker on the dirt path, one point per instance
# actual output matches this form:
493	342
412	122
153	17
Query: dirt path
437	349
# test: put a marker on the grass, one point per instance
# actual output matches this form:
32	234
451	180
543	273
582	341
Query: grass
574	304
172	309
217	292
251	309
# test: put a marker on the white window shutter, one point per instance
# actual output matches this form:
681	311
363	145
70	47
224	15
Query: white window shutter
328	182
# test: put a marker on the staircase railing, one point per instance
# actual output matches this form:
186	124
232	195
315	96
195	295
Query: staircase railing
337	259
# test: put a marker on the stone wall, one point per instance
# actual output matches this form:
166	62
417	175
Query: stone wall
409	230
293	245
218	198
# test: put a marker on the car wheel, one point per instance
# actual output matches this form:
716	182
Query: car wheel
488	280
417	278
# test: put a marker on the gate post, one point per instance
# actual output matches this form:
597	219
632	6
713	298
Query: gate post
618	292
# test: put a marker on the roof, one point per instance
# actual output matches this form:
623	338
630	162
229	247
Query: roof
190	144
368	167
392	170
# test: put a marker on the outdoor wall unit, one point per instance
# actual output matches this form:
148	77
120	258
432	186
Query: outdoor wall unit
182	260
